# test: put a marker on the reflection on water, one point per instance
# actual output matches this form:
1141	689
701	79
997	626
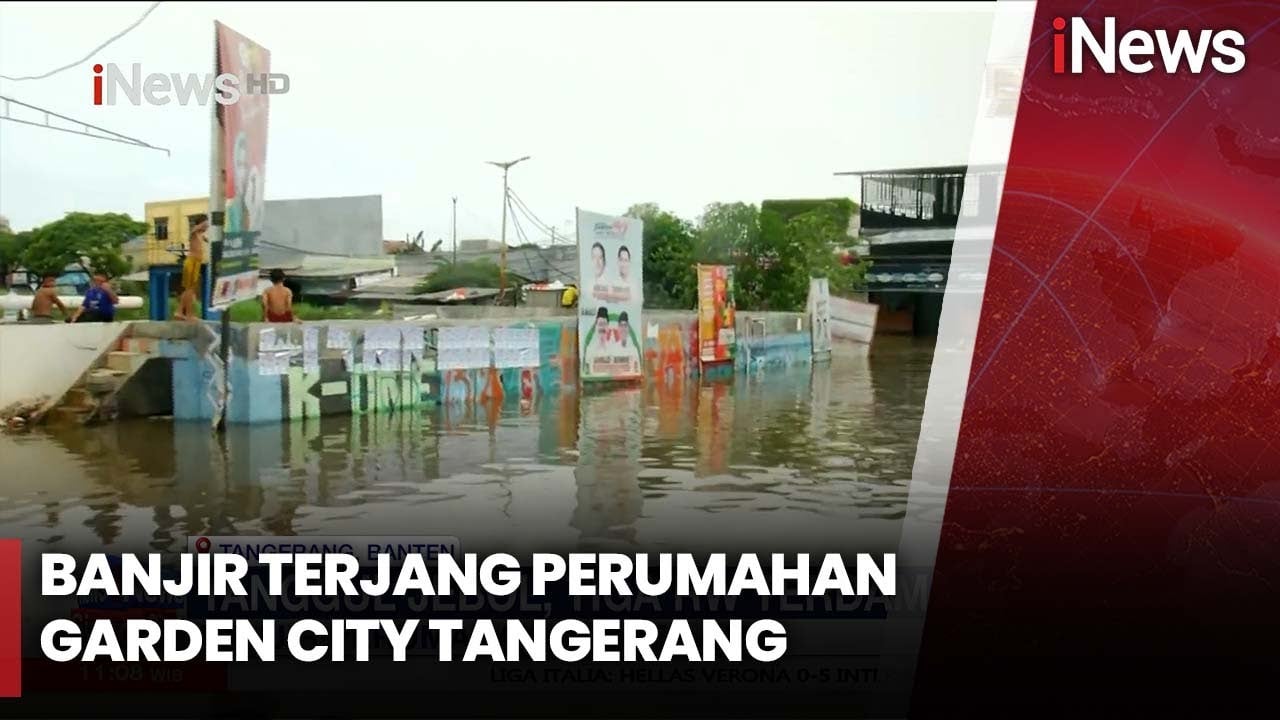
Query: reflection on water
808	458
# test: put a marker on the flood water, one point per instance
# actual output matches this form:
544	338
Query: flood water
802	459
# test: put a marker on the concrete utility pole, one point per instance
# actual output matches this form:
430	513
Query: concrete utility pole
502	264
455	229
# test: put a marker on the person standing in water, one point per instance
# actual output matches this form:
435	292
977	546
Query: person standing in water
277	301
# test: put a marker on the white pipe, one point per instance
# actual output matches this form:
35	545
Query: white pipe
13	301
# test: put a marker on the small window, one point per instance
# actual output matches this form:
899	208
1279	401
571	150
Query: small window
194	220
162	228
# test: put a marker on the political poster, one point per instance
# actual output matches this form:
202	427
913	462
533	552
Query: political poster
716	338
611	278
239	167
820	315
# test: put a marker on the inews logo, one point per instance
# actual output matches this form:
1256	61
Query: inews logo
161	88
1136	48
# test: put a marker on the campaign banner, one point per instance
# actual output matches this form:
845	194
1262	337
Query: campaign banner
611	272
820	315
716	338
240	130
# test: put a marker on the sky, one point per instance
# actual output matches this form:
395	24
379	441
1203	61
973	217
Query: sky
682	104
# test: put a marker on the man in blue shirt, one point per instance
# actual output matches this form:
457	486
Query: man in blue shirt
99	302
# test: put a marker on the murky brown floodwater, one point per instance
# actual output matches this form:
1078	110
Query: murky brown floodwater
806	459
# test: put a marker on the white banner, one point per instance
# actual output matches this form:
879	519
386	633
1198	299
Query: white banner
611	259
820	315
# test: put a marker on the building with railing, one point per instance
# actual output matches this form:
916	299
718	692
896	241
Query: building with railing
908	220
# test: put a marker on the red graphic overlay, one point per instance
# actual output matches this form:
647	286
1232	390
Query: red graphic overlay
1113	519
10	618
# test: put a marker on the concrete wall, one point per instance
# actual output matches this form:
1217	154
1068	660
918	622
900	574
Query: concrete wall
260	391
339	226
342	384
46	360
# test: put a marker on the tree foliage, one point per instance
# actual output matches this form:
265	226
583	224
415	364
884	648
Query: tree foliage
91	241
774	249
480	273
12	246
669	277
724	229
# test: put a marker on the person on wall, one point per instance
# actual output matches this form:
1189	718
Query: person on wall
43	302
187	305
99	302
277	301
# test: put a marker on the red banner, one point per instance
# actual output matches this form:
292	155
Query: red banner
243	136
716	338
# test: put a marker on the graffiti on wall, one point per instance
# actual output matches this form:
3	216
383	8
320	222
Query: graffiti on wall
400	370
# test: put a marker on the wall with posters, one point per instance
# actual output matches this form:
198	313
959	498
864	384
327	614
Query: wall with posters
472	370
611	282
716	323
290	372
238	169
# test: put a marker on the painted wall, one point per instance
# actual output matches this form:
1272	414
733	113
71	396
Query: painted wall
264	389
46	360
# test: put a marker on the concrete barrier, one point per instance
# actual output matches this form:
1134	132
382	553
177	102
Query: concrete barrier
277	372
44	361
14	301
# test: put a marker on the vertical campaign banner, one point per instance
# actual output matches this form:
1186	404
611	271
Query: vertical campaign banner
239	166
611	259
716	337
820	315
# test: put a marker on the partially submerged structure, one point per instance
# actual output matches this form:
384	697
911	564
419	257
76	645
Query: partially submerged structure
909	219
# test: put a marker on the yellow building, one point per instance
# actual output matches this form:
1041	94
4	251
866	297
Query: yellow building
169	224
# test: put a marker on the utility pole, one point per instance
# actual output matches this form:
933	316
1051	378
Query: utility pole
502	264
455	230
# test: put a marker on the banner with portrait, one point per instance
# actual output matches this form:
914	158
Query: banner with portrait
610	259
239	168
716	336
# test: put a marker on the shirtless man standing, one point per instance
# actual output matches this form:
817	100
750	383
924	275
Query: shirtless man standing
277	301
44	301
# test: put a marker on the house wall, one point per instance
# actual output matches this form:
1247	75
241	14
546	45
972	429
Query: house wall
177	212
349	226
338	225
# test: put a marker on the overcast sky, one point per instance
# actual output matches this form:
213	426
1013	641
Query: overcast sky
682	104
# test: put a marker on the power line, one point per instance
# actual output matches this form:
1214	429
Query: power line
90	54
110	134
538	223
551	266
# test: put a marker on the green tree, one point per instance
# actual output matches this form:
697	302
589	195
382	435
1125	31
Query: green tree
480	273
724	230
89	240
773	269
669	277
12	246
